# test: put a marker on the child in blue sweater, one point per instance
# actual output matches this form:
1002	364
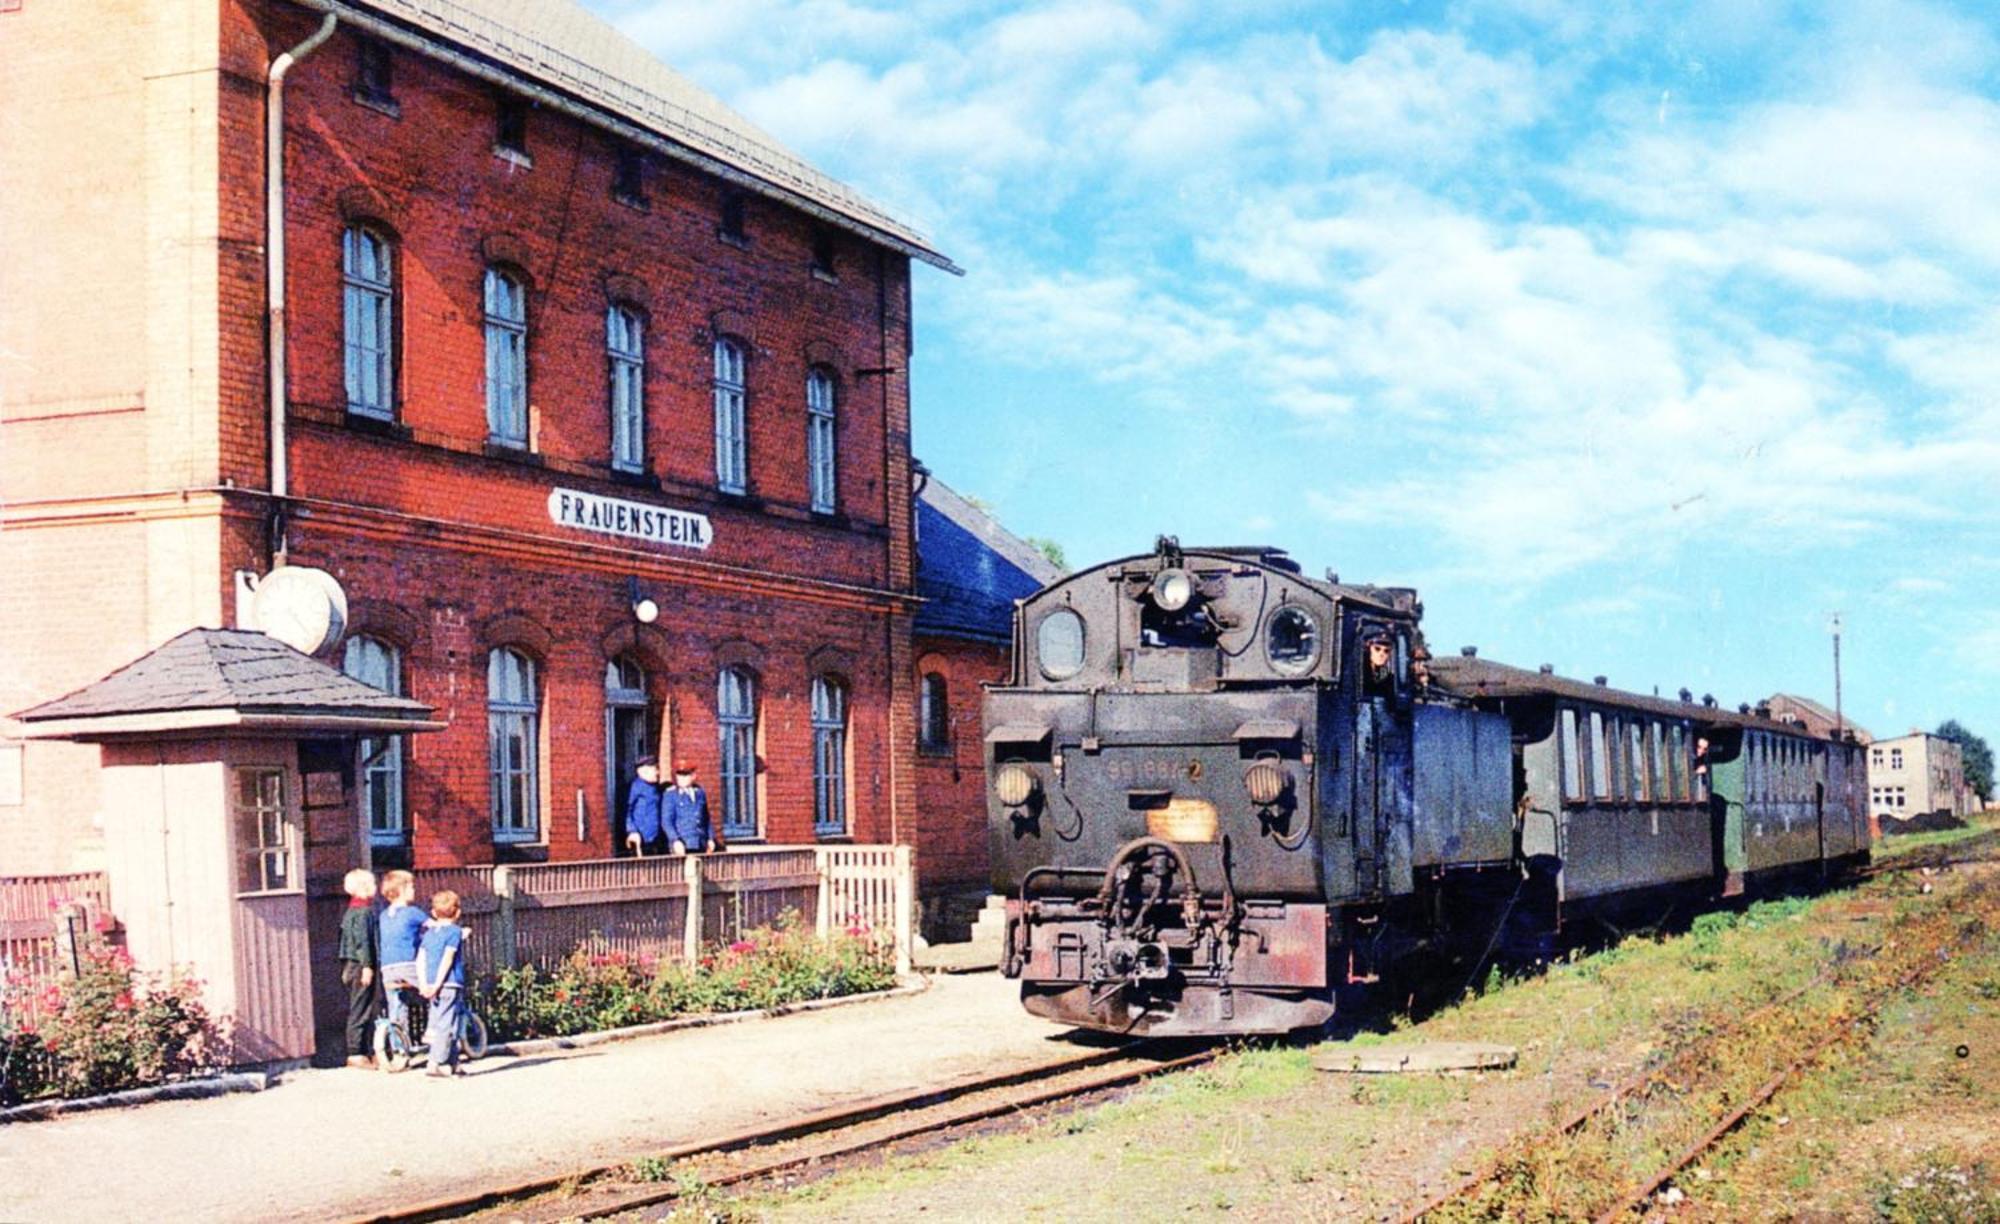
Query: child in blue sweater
441	976
402	926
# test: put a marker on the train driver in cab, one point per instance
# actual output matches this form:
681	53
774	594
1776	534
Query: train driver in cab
1378	677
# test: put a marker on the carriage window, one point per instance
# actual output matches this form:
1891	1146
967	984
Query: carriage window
1677	762
1572	760
1635	762
1600	758
1662	785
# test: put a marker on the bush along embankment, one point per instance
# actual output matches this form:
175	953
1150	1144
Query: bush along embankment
595	988
103	1029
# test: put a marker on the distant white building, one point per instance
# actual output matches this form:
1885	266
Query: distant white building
1916	774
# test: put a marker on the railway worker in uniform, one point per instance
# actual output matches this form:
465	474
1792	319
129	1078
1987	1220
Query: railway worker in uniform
684	813
642	811
1379	676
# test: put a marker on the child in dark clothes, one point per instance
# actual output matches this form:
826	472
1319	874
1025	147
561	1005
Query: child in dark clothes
359	960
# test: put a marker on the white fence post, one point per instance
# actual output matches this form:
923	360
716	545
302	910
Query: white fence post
691	935
903	894
823	920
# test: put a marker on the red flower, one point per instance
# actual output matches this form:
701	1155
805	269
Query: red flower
124	1001
742	945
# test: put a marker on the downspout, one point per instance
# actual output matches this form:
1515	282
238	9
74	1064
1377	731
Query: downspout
274	271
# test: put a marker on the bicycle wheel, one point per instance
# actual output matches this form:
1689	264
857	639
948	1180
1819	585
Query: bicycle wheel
392	1048
472	1037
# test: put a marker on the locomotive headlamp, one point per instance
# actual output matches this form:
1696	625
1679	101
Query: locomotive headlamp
1015	785
1172	589
1266	781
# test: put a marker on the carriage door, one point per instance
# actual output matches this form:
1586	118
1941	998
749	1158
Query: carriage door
627	738
1817	764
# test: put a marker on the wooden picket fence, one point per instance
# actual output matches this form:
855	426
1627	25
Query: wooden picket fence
44	920
671	907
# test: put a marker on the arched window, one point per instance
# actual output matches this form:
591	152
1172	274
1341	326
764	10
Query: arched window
933	714
829	731
368	314
379	664
513	746
821	467
736	720
506	358
625	348
731	458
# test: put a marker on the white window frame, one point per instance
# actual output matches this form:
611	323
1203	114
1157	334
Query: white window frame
513	717
267	858
732	463
506	306
829	737
625	352
368	322
822	441
736	730
379	664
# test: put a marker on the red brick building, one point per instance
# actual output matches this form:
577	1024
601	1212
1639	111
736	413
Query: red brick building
561	337
970	570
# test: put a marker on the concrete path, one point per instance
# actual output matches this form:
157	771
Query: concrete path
337	1143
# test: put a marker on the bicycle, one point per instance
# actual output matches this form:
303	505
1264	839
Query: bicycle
396	1046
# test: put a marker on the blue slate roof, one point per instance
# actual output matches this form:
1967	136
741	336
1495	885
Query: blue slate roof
970	569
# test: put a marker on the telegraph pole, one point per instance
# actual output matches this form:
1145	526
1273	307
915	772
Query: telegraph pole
1838	724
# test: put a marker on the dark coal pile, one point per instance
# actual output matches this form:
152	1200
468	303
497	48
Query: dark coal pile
1926	822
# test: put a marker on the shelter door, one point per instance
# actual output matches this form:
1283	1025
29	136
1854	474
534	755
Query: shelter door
335	844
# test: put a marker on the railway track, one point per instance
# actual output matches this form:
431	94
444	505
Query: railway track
836	1134
1856	986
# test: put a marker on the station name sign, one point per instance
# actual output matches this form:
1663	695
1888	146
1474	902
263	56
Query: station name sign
633	520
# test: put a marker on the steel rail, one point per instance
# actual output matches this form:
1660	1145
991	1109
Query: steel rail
821	1122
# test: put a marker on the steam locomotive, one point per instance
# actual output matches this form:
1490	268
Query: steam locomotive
1221	792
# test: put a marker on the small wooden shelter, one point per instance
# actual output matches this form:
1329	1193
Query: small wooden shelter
230	817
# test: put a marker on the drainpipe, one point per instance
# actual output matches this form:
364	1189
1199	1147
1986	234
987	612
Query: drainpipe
274	270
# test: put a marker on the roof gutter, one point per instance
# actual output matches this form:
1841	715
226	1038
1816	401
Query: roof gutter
274	269
486	70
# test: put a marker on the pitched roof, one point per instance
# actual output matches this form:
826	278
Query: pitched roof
970	569
559	43
232	671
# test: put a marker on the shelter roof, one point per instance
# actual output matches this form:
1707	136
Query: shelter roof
563	45
208	678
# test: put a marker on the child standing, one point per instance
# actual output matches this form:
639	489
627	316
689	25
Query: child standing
442	980
402	923
359	957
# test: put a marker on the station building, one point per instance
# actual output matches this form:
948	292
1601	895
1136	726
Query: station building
593	398
1918	774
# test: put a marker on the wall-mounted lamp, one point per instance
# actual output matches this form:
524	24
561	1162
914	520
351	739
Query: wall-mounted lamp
644	609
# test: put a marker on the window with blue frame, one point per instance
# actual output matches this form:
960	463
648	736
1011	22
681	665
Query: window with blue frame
829	733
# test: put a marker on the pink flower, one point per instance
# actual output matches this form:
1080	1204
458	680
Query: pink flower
124	1001
742	945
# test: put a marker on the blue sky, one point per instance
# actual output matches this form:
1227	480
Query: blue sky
1639	338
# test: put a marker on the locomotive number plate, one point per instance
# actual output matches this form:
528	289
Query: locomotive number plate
1152	771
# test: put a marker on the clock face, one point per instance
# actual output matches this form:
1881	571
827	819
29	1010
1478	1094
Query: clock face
301	607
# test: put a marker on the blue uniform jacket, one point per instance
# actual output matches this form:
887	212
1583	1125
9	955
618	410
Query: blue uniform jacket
685	816
642	809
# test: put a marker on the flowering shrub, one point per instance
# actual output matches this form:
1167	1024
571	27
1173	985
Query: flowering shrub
107	1028
595	988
